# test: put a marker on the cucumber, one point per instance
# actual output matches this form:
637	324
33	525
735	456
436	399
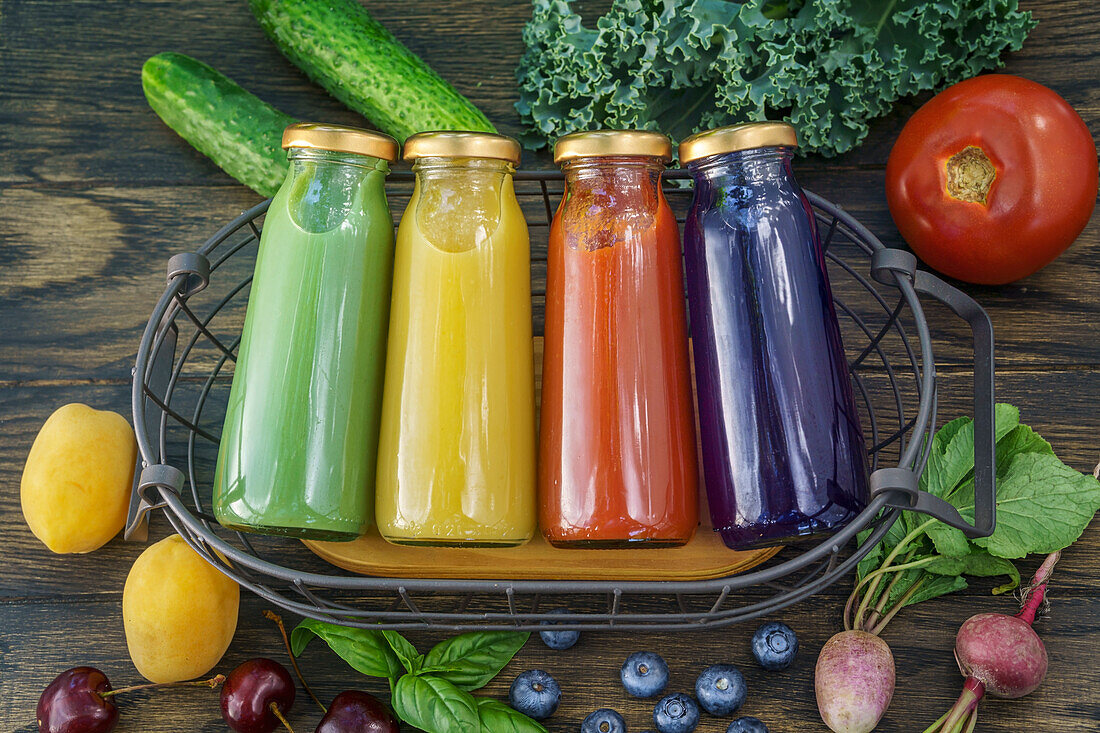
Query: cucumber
341	47
231	126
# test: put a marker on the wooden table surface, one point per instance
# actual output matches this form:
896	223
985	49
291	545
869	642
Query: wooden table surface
96	193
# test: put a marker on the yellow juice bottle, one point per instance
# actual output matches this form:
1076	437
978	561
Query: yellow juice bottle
456	457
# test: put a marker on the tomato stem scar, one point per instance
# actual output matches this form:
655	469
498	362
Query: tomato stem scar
970	175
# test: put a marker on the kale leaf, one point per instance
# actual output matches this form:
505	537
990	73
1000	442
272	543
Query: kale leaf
680	66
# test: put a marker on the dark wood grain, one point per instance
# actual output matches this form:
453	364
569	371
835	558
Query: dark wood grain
33	573
46	597
96	194
63	107
101	192
101	251
38	640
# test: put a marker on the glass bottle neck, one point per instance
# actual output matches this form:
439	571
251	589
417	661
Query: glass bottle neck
632	170
459	202
301	158
482	170
323	187
756	165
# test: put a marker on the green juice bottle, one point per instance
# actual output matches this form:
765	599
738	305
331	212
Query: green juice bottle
298	449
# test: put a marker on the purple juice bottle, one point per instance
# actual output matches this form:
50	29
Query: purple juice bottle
783	452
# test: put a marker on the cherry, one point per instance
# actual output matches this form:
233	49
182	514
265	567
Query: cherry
256	695
80	700
353	711
74	703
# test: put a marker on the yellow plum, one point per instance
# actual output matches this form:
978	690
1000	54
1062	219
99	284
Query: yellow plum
76	483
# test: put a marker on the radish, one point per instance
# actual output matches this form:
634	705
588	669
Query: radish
854	681
854	677
1000	655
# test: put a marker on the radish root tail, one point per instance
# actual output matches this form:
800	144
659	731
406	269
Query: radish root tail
1035	595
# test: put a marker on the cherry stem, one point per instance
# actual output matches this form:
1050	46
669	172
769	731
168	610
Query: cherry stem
1037	591
212	683
275	710
271	615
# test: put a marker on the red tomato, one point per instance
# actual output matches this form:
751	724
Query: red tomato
992	179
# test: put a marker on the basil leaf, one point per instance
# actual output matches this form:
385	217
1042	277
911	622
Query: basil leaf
496	717
366	650
435	705
405	651
470	660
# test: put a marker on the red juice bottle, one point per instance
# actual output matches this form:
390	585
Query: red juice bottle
617	460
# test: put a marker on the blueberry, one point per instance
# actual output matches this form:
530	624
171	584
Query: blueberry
644	674
676	713
774	646
604	720
720	689
535	693
747	724
559	639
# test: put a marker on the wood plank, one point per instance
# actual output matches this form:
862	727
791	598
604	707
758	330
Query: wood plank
101	252
97	193
41	639
82	268
43	596
64	111
81	115
33	573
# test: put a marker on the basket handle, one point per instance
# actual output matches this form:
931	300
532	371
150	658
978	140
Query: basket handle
891	267
160	372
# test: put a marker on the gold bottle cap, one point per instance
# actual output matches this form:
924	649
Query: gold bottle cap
599	143
449	144
340	139
745	136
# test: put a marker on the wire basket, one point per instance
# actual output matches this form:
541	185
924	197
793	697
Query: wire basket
181	382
